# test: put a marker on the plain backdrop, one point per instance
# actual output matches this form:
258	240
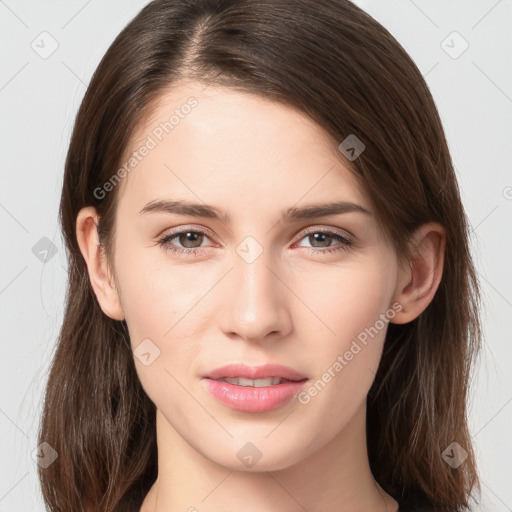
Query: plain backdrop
464	50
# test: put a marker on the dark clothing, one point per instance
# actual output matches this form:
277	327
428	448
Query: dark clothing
417	505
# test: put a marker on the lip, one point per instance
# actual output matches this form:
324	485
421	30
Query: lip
254	399
255	372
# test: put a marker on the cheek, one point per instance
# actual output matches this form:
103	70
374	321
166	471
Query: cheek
348	299
170	305
351	303
155	295
158	306
162	301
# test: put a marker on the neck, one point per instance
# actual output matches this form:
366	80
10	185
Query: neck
335	476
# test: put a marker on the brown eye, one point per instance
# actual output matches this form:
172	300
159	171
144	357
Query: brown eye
320	238
189	239
186	241
321	242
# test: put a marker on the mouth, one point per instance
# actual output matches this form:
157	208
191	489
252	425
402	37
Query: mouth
254	389
256	376
256	383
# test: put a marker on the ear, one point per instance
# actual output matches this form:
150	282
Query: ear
95	257
419	279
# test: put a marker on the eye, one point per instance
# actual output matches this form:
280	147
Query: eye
191	241
321	241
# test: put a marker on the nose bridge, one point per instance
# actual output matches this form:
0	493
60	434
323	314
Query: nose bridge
256	305
253	277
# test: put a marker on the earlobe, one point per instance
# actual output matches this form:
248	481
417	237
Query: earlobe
94	255
419	280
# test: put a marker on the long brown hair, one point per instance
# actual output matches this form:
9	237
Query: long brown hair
332	61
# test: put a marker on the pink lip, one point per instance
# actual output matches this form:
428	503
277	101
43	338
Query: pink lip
252	399
254	372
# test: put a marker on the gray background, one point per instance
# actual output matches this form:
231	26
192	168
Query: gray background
39	97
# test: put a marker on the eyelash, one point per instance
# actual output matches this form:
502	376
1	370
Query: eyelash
345	242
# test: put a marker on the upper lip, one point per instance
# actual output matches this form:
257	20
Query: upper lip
255	372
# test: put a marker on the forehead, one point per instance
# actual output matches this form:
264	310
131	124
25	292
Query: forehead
208	142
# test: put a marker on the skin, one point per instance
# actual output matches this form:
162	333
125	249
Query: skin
254	158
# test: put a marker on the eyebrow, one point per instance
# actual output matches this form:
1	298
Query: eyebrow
292	214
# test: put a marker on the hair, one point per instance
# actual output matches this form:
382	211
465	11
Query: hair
335	63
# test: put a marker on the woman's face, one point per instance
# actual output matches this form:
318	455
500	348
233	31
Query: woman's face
257	283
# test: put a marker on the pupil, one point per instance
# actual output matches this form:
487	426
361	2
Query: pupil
189	243
323	237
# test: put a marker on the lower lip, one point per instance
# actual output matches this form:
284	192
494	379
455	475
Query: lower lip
252	399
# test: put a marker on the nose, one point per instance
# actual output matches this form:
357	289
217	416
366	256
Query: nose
255	306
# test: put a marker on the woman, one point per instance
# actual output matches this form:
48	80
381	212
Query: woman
266	244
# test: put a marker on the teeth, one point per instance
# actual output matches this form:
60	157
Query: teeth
257	383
